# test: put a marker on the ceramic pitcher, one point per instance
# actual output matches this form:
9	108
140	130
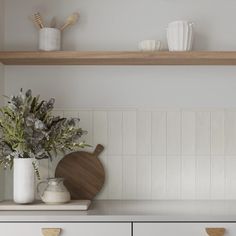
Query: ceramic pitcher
54	191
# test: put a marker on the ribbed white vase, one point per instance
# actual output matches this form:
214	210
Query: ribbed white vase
24	181
180	36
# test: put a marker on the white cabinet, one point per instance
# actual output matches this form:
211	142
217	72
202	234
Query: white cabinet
180	229
67	229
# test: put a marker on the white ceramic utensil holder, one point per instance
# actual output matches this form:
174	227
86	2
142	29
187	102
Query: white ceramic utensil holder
49	39
180	36
24	177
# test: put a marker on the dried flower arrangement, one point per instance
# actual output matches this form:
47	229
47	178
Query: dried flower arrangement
29	130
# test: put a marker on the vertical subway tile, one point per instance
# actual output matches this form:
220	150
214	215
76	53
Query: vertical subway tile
203	177
217	133
230	133
103	194
129	132
158	178
114	132
188	178
173	133
173	178
58	113
203	133
158	133
70	114
8	187
86	123
143	133
100	129
188	133
230	177
114	178
143	178
129	178
217	177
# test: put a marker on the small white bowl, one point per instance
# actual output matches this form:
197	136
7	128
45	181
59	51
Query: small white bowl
149	45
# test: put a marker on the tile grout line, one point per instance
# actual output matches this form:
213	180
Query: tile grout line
151	161
166	118
181	152
211	197
195	150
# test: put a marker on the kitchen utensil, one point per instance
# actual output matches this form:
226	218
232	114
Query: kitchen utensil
31	18
49	39
180	36
38	20
53	23
150	45
71	20
55	191
83	172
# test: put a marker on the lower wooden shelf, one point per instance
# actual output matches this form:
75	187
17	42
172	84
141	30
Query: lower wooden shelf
117	58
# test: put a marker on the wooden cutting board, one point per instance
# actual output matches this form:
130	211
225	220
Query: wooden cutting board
83	172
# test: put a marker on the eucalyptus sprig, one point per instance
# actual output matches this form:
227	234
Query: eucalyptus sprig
29	130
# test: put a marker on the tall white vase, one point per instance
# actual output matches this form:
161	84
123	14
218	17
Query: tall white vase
24	181
180	36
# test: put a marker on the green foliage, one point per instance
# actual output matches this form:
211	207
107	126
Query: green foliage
29	130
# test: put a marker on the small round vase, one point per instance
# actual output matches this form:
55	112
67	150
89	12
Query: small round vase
24	181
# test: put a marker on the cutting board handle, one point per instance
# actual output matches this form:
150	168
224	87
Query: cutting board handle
98	150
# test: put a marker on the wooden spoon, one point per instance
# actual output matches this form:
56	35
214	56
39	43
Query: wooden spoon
38	20
71	20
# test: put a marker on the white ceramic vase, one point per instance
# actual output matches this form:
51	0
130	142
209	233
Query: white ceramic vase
180	36
24	181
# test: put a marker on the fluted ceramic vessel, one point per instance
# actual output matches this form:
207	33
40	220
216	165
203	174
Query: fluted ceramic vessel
180	36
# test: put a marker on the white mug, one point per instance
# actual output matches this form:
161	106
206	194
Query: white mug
49	39
150	45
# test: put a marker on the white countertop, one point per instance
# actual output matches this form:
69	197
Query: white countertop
135	211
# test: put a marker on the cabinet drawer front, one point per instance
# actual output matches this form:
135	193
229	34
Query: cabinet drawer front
183	229
67	229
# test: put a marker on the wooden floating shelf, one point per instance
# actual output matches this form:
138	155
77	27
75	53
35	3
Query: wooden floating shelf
117	58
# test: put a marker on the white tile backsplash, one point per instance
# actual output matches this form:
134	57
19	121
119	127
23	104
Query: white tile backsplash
188	177
129	133
158	172
188	133
203	133
160	154
144	133
173	133
158	133
144	178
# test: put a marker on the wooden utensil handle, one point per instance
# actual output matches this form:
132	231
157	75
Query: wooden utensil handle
98	150
215	231
51	231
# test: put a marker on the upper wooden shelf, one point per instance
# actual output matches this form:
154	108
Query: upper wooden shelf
117	58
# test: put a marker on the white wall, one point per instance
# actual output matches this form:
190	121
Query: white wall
1	81
119	25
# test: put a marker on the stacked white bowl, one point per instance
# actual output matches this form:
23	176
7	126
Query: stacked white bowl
180	36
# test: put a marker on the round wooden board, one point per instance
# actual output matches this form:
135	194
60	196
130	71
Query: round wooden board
83	173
